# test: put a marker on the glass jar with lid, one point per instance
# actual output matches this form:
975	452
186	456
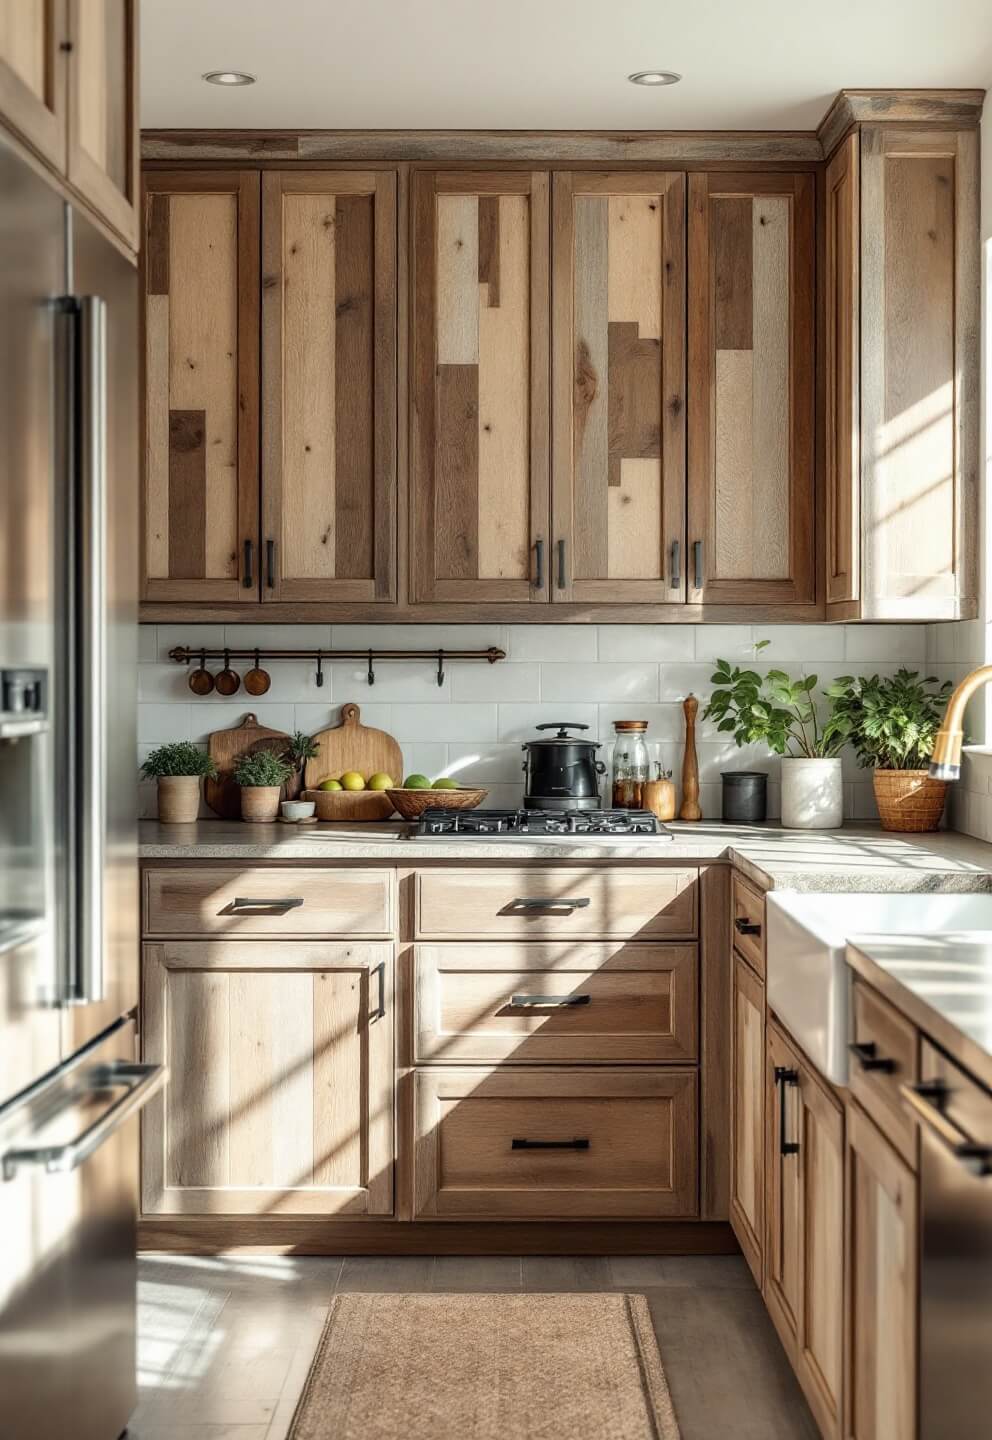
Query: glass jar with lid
630	764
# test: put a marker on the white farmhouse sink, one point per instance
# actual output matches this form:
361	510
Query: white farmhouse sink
807	982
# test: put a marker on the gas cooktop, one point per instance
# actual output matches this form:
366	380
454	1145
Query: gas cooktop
533	824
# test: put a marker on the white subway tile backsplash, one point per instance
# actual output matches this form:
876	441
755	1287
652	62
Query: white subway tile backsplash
801	644
679	681
553	642
279	637
893	643
169	636
646	642
444	722
485	764
228	713
726	642
424	757
665	722
323	714
508	681
602	681
397	680
419	637
519	722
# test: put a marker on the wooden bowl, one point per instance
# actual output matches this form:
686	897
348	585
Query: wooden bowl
411	804
351	805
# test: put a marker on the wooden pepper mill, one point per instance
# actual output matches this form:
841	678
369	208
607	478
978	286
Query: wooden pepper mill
658	795
690	764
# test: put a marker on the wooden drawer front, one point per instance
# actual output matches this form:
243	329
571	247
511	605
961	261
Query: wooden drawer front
280	1090
887	1057
330	902
557	1003
636	1154
748	912
536	904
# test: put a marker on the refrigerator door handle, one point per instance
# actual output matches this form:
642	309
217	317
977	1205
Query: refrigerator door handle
90	629
139	1082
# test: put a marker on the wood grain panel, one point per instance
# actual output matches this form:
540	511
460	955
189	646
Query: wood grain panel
821	1332
479	428
747	1176
329	379
187	493
33	75
24	40
157	447
157	246
203	902
770	518
634	277
634	522
590	425
783	1192
732	266
103	145
842	307
733	449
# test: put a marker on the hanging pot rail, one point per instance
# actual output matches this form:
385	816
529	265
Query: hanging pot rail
184	654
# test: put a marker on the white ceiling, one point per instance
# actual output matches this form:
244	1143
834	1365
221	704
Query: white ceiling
546	64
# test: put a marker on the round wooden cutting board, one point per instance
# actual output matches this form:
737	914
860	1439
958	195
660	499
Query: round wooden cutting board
353	746
223	795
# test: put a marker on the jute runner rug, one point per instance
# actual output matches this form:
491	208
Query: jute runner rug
486	1367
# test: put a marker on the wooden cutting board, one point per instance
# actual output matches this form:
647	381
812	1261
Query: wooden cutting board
223	795
353	746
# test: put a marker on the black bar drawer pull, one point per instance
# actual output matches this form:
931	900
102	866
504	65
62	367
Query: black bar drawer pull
746	927
676	579
270	564
522	1002
697	563
866	1054
539	565
518	1143
784	1076
927	1101
249	566
242	902
540	902
561	564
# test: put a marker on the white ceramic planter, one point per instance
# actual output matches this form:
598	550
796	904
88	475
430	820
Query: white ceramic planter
812	794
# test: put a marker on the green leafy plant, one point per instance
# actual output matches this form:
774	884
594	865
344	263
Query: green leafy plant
776	711
300	749
892	720
261	767
181	757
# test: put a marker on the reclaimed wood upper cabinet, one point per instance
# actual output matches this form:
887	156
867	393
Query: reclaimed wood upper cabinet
618	255
280	1093
329	385
103	154
33	70
750	389
901	301
479	387
200	265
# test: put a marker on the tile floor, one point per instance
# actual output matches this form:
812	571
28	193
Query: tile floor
225	1345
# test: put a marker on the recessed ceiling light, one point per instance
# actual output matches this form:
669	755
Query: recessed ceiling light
229	77
654	77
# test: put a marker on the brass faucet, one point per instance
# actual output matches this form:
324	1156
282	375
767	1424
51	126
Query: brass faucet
945	763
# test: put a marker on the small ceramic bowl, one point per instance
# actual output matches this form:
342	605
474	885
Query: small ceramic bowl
297	809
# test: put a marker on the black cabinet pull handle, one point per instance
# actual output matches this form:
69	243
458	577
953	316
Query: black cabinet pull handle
676	579
249	566
697	564
250	903
270	564
866	1054
532	902
784	1076
561	564
539	565
746	927
927	1102
523	1002
519	1143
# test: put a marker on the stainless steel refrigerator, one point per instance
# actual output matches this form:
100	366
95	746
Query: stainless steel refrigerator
70	1081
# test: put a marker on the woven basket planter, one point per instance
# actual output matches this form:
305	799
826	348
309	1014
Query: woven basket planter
909	800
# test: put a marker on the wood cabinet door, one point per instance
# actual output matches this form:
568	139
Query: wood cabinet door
329	385
33	68
750	389
783	1195
280	1092
479	387
843	427
821	1329
882	1287
200	267
103	154
747	1116
619	387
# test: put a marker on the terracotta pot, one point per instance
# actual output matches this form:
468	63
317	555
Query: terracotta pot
260	802
908	800
178	799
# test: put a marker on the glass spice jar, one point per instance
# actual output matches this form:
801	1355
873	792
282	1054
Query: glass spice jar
630	764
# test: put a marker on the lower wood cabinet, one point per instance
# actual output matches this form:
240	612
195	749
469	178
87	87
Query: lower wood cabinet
747	1116
577	1143
883	1285
280	1091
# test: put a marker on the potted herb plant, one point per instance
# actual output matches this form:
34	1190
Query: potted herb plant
300	749
893	721
179	768
779	712
261	775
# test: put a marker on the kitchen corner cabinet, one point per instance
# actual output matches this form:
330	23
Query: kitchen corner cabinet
69	89
329	385
751	389
902	324
479	387
618	252
201	492
280	1091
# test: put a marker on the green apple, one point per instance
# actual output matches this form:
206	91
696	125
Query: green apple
380	781
416	782
330	785
445	783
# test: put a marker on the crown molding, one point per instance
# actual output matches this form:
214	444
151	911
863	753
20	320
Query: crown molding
955	109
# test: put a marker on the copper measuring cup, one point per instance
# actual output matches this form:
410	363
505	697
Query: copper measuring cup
228	682
201	682
257	681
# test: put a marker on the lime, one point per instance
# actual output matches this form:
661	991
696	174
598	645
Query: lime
445	783
351	780
380	781
329	785
416	782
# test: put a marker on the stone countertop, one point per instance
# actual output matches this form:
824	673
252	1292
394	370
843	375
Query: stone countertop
943	983
856	857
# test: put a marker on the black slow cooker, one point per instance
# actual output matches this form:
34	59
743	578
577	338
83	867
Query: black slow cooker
562	771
